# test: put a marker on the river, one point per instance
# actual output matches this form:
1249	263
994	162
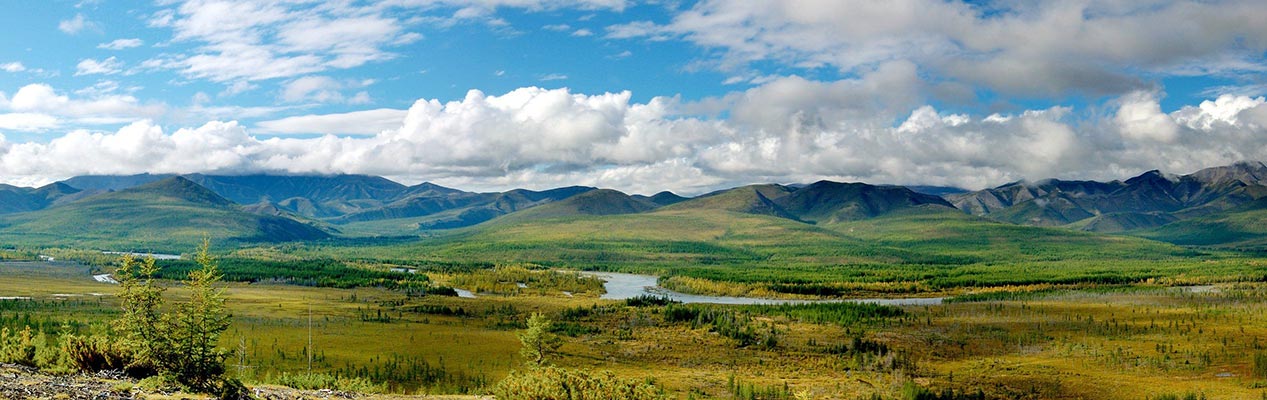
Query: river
623	286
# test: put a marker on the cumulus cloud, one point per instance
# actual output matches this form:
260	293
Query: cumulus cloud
871	128
1140	118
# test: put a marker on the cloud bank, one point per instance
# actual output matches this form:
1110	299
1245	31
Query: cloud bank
790	129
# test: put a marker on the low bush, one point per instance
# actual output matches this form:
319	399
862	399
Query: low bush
317	381
553	383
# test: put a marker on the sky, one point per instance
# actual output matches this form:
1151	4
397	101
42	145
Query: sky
688	96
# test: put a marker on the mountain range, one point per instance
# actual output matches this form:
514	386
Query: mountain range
1215	206
1149	200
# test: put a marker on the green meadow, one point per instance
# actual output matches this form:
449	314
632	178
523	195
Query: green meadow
1041	341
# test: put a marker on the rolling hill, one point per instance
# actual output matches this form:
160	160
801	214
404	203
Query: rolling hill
313	196
820	202
1243	228
15	199
170	214
753	199
592	203
345	199
830	202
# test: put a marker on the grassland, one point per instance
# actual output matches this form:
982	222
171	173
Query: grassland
1041	312
1037	342
916	252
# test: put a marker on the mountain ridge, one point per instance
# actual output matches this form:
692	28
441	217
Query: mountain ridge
1147	200
1142	202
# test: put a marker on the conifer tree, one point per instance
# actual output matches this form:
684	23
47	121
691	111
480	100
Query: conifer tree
538	341
198	325
142	323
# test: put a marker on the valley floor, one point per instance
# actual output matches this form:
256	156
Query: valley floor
1031	342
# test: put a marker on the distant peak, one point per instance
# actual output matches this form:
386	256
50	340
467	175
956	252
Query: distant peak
1149	176
179	187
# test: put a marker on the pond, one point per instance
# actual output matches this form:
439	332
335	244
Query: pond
623	286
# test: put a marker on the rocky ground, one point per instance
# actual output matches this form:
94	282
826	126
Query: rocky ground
20	382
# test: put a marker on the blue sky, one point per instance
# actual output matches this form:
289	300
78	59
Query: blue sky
638	96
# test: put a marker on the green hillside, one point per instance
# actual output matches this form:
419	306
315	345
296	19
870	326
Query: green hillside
753	199
595	202
170	214
937	231
1122	222
828	202
1244	228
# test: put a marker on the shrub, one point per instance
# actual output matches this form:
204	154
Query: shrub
553	383
17	347
317	381
95	353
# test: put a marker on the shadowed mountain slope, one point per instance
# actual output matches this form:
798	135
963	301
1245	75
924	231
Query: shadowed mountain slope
173	212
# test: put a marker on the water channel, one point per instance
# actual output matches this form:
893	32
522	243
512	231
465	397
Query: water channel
623	286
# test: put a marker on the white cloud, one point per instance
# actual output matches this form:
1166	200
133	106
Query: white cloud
98	108
75	25
1139	117
200	112
250	41
368	122
553	77
873	128
361	97
557	27
27	122
1031	47
239	87
88	66
324	89
582	33
12	67
137	146
121	44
